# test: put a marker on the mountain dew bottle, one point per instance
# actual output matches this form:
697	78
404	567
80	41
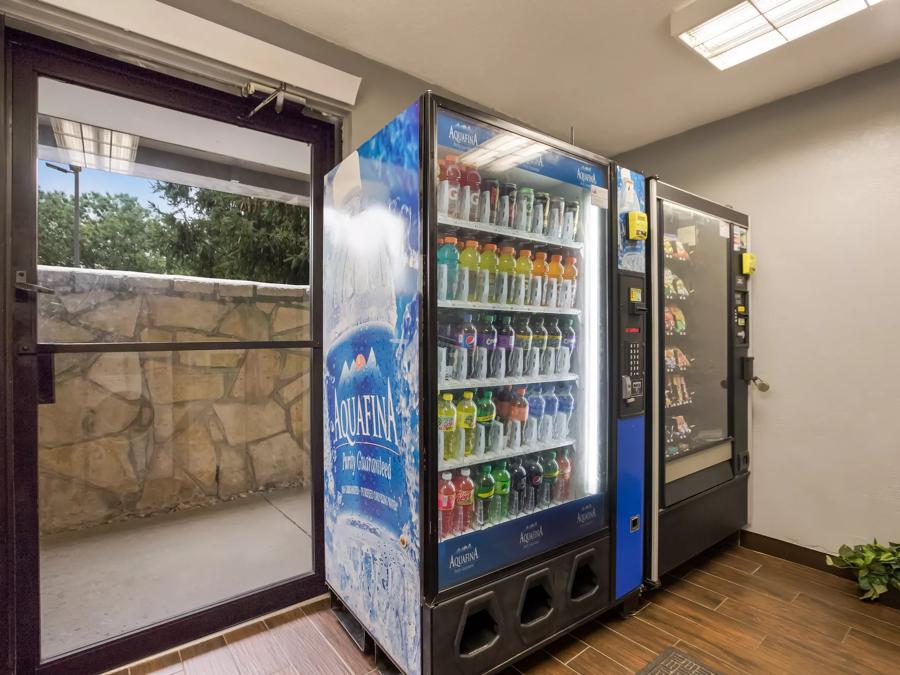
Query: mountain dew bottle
500	502
484	495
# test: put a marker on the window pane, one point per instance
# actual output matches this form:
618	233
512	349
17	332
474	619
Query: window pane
153	222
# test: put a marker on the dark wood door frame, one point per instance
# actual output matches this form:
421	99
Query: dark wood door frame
27	57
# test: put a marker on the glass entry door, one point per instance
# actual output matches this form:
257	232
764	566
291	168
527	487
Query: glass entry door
694	336
167	359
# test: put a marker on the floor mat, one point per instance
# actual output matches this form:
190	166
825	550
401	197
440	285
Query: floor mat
673	662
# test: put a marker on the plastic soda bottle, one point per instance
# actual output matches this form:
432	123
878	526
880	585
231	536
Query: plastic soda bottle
551	406
506	270
468	271
448	268
487	413
464	514
554	334
538	279
564	478
466	414
469	193
569	340
446	504
564	412
467	338
447	426
531	434
502	401
569	284
551	473
554	281
522	279
484	494
517	485
535	471
487	334
500	502
453	177
506	338
524	334
485	286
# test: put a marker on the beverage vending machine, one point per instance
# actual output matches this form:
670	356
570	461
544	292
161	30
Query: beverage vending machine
701	370
476	327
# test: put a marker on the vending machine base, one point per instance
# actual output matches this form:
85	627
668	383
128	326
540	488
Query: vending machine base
690	527
487	629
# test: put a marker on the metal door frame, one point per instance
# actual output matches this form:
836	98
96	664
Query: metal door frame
28	57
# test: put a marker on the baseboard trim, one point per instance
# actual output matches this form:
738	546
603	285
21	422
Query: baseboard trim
805	556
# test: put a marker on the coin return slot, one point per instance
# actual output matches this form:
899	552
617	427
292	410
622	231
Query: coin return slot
537	603
584	582
480	632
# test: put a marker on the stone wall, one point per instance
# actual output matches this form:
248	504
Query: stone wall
138	433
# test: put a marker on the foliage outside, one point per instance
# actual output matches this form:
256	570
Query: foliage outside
877	567
203	233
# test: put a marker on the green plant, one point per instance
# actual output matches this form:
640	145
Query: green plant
877	566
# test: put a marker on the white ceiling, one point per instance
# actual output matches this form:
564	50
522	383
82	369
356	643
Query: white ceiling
608	67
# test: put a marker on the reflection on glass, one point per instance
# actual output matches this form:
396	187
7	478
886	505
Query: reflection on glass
141	207
168	482
695	355
521	325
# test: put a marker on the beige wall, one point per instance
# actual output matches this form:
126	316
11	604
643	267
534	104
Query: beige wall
819	174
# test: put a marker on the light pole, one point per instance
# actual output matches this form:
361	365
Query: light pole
76	227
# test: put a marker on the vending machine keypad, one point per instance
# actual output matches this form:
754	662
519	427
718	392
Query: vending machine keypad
633	313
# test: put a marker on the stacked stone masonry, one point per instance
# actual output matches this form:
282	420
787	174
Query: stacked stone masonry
137	433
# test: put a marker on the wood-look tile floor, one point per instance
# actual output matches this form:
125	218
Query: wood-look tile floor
737	611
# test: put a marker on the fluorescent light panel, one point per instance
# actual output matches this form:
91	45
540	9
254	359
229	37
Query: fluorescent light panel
753	27
94	147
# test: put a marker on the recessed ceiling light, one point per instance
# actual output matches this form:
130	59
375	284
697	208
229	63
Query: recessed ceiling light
747	29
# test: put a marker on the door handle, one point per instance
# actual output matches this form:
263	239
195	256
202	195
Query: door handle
26	287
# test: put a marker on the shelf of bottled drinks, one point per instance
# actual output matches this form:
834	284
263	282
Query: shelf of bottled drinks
508	323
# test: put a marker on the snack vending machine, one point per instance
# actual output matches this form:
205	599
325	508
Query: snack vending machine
474	417
701	371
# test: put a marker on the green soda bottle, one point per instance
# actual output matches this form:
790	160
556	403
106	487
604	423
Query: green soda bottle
466	413
551	473
500	503
447	426
484	495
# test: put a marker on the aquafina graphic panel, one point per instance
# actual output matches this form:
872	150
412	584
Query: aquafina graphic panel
631	197
371	300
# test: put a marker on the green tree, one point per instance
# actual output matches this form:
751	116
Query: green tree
117	232
228	236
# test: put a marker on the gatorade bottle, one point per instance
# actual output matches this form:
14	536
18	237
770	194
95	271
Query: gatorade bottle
517	486
465	501
453	176
535	471
487	413
554	281
561	488
506	270
551	407
448	268
564	412
484	494
551	473
468	272
569	284
446	504
538	279
524	267
487	274
470	193
447	426
500	502
466	415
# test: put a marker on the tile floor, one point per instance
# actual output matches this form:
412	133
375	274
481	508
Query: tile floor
737	611
167	565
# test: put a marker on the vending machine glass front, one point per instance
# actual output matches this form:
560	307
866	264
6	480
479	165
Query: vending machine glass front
522	385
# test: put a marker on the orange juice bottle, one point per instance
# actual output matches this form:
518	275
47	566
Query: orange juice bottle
569	284
554	281
538	279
